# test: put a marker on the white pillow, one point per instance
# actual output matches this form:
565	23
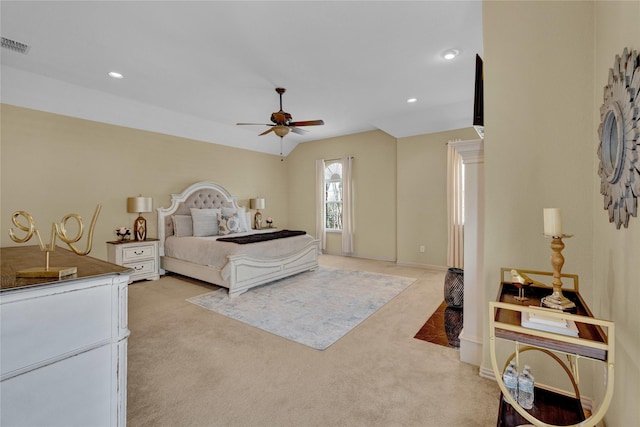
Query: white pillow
182	225
245	225
245	219
249	220
228	224
205	222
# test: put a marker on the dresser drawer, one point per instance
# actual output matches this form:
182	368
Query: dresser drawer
37	330
138	252
143	268
75	391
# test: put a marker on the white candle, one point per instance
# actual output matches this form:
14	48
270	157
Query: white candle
552	222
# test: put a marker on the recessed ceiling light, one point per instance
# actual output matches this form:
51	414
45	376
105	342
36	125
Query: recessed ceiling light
115	75
412	100
450	54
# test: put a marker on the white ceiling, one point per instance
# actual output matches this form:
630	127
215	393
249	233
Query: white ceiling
195	69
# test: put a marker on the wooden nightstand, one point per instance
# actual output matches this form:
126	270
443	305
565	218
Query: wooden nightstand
140	255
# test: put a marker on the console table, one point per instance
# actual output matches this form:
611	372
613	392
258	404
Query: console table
64	341
595	341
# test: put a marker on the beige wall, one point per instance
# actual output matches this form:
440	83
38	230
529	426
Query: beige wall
616	252
399	192
374	177
545	67
422	197
53	165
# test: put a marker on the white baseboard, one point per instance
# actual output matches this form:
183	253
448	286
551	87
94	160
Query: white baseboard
425	266
487	373
408	264
470	349
358	256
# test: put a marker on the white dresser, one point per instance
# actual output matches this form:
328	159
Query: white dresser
140	255
63	342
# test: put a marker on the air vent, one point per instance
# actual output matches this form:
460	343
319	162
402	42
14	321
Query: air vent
15	46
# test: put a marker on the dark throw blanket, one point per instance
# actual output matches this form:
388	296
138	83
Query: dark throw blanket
262	237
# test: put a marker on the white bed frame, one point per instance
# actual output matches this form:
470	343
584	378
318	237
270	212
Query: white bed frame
245	272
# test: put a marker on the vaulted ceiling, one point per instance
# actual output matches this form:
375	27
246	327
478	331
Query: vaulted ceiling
195	69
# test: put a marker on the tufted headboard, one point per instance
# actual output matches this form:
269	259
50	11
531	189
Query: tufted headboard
201	195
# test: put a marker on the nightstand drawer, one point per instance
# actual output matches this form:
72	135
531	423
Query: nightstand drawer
138	252
142	268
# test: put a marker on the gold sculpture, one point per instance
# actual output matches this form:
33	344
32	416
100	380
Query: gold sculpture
57	230
520	281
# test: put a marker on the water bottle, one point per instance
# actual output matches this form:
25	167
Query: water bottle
525	388
510	379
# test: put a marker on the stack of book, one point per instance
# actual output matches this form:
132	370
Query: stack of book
542	322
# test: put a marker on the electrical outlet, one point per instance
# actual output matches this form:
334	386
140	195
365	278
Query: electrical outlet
422	248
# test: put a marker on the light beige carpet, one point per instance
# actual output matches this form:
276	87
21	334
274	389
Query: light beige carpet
191	367
315	308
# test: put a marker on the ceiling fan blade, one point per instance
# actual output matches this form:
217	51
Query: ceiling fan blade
298	130
307	123
283	123
271	129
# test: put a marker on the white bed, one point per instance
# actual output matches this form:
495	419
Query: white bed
242	266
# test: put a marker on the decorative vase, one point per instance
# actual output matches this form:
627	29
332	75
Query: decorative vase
453	321
454	287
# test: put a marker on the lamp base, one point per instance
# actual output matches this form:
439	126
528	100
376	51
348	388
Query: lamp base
257	221
140	228
558	301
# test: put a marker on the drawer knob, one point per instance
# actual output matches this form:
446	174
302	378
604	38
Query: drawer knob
138	252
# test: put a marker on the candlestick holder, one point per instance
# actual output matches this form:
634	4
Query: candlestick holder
557	300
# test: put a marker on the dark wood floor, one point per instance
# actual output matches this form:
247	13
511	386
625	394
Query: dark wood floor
443	327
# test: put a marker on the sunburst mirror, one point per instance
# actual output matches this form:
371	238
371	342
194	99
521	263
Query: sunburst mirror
619	132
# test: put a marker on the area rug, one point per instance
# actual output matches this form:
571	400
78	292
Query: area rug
315	308
443	327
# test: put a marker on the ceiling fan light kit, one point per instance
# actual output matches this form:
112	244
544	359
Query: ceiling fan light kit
283	122
281	130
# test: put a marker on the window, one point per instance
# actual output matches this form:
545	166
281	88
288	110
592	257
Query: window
333	195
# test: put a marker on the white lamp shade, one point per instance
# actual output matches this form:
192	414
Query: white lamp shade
257	203
139	204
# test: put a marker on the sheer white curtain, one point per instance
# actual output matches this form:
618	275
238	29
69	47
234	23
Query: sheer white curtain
320	233
455	208
347	205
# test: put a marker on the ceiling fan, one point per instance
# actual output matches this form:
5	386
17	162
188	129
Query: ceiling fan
282	121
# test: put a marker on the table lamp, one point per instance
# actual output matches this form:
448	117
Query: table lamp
139	205
257	204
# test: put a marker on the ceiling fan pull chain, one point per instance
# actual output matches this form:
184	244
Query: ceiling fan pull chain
281	158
